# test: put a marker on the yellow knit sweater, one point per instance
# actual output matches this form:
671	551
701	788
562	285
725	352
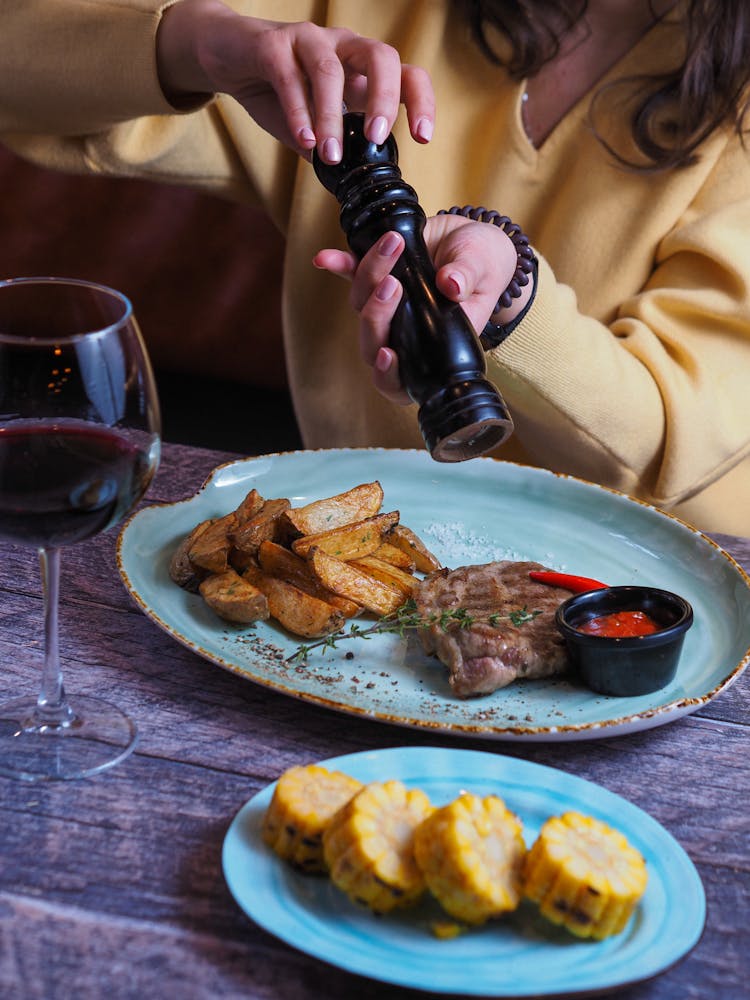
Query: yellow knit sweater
632	368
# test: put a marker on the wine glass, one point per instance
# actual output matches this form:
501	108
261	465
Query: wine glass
79	445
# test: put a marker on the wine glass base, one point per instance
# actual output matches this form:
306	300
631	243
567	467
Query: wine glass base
98	736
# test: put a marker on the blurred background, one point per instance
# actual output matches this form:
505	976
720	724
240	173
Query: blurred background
204	279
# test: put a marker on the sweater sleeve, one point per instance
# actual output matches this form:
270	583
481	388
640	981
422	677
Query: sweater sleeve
657	402
78	66
91	100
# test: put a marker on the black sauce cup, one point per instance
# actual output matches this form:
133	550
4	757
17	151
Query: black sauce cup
625	665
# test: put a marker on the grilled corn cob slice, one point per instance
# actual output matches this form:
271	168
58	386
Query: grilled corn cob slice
304	801
369	846
471	854
584	875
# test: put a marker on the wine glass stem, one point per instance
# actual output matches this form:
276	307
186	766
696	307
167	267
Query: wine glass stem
52	706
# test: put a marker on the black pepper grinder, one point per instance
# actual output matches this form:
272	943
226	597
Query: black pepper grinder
441	361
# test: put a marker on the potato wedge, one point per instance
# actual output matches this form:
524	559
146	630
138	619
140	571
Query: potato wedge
261	527
356	504
241	560
394	577
210	550
348	581
250	506
350	541
298	612
396	557
181	569
277	561
318	564
408	541
233	598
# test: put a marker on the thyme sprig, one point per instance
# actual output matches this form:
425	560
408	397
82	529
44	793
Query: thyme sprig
406	618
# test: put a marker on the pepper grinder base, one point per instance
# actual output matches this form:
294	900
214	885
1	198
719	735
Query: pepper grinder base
464	420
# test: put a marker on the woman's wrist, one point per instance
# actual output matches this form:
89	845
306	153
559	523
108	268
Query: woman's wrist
505	319
184	28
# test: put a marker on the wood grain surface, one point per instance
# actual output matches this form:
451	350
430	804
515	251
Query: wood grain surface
112	886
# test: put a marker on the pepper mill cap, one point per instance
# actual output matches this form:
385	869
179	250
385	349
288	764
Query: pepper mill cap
357	151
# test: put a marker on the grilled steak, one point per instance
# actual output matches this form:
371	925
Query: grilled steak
488	655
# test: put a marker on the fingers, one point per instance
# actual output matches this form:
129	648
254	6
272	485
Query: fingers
375	295
474	264
288	58
374	333
418	97
375	319
386	378
324	74
378	83
293	78
379	65
376	265
367	274
337	262
313	71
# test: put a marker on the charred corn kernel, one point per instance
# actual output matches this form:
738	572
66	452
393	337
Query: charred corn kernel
369	846
584	875
471	854
304	801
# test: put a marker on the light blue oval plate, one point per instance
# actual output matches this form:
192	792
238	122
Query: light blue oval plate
471	512
521	955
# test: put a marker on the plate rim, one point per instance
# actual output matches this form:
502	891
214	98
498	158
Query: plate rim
646	719
233	840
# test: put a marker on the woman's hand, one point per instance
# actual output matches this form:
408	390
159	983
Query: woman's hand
474	264
293	79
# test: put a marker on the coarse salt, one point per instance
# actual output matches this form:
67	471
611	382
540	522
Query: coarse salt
459	544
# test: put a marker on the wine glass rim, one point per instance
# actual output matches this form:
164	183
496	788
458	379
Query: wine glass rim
127	313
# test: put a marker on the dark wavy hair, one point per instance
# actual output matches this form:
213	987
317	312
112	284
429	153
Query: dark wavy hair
709	87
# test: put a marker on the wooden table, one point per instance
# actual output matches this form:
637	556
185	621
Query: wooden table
111	887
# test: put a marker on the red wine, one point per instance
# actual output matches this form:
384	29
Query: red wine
64	481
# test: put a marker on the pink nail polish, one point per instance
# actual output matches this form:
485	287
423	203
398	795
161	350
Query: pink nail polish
423	130
378	131
389	245
306	135
331	151
456	281
383	360
386	289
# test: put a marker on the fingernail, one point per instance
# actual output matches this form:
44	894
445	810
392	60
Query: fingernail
331	151
306	135
378	130
383	360
386	289
456	280
389	245
423	130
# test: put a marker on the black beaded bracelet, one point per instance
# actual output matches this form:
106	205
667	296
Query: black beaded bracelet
526	268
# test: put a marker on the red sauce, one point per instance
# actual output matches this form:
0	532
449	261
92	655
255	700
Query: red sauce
620	623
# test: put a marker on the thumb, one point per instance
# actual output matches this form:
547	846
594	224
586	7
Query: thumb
475	263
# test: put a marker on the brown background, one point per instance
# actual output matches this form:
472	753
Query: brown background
204	279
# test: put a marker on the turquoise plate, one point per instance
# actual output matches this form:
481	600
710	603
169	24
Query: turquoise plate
521	955
472	512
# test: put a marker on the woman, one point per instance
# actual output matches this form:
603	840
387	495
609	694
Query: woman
629	368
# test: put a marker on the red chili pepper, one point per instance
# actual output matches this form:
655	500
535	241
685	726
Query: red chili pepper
578	584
